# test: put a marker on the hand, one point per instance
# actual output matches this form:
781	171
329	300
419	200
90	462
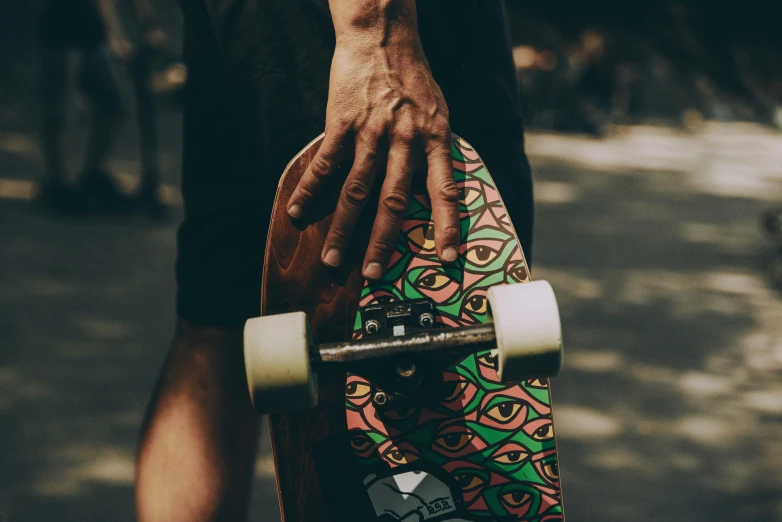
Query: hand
122	48
384	99
156	38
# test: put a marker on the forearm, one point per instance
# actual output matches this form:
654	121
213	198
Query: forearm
376	22
145	13
108	13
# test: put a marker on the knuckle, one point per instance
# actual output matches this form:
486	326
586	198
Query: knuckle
448	191
338	235
320	166
374	132
395	203
381	245
355	193
304	192
338	124
450	232
441	131
406	133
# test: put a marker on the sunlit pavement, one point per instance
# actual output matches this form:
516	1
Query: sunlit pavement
670	404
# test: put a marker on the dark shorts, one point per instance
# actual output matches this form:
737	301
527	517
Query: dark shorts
95	79
257	94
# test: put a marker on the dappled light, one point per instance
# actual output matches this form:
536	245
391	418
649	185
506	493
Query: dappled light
673	359
653	130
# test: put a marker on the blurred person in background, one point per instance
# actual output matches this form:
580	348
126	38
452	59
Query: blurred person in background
86	30
594	82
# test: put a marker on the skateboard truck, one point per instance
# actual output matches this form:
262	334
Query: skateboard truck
400	344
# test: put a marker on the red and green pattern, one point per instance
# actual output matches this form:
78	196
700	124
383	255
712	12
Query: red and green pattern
482	450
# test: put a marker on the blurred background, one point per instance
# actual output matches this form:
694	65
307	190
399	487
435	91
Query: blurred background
653	130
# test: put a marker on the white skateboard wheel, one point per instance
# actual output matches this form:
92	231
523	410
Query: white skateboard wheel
528	330
277	361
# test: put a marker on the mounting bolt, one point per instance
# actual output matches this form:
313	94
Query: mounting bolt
380	398
406	370
372	326
426	320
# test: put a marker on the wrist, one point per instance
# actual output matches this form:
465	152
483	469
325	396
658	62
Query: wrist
383	22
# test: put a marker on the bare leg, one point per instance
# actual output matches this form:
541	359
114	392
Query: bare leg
198	444
107	115
54	73
147	119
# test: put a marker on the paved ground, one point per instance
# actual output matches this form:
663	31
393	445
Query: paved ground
670	407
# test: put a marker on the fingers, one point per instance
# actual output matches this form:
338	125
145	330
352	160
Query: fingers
352	200
321	167
394	197
444	195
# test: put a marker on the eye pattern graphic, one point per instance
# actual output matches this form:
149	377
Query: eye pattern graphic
423	236
467	195
460	440
453	389
432	281
400	457
536	383
476	304
481	255
511	457
515	499
357	389
551	470
504	412
545	432
360	443
519	273
453	440
469	481
488	360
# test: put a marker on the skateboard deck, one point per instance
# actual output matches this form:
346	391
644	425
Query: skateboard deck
467	447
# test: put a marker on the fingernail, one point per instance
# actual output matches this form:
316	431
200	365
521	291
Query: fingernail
450	254
333	258
295	211
373	271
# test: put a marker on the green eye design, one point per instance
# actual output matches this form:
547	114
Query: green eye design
545	432
481	255
433	281
468	481
504	412
516	499
511	457
477	304
423	237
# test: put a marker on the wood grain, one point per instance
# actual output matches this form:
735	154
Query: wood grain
309	446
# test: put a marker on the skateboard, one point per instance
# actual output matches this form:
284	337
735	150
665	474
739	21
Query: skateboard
421	396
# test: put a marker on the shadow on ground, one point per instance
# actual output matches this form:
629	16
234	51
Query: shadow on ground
670	405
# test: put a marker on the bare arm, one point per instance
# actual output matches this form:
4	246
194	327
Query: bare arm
144	11
382	94
152	33
118	42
